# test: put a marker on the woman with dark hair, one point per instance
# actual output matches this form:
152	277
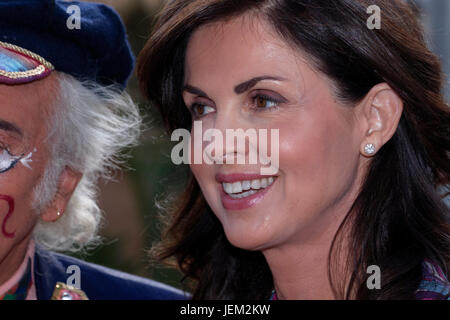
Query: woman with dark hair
355	209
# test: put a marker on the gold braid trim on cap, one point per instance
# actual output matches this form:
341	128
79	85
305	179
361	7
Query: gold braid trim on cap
23	74
28	53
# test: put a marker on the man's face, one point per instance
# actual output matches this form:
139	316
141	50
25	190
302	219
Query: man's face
24	112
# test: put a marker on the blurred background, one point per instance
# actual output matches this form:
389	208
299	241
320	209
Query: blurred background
129	203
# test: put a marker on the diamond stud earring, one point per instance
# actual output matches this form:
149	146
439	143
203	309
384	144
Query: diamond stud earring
369	148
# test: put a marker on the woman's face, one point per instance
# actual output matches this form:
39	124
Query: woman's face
319	138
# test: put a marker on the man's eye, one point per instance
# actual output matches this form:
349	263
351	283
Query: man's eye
200	110
7	160
264	102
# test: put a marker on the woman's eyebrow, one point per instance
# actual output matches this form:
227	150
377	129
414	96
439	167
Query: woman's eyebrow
240	88
247	85
195	90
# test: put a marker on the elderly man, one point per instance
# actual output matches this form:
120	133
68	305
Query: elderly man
63	120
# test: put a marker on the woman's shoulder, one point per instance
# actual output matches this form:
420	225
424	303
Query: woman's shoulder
434	284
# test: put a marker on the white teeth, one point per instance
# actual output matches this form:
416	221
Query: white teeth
246	185
263	183
228	187
242	189
256	184
243	195
237	187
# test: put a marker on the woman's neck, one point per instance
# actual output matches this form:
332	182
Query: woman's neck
300	268
299	271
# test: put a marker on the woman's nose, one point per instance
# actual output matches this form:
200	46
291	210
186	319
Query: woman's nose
233	139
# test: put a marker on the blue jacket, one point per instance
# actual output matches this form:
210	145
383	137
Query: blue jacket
99	283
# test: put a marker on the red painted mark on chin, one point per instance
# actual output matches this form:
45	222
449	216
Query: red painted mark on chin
10	202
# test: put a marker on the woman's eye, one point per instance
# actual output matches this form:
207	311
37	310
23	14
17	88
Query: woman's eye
200	110
263	102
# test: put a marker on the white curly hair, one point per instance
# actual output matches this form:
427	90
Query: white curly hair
89	128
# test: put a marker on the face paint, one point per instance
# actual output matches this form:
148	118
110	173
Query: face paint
10	202
8	161
25	160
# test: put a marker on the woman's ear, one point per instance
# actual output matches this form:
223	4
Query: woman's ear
67	182
382	109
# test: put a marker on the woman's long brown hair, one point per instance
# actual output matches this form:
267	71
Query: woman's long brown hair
399	218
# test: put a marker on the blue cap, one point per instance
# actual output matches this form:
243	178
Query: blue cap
84	39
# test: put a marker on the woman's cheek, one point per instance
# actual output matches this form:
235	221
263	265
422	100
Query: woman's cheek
204	175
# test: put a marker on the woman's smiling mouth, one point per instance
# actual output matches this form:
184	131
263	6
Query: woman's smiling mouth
241	191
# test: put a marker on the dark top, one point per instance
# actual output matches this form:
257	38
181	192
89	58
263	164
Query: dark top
97	282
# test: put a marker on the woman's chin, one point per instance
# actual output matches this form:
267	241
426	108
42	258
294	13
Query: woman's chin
245	238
